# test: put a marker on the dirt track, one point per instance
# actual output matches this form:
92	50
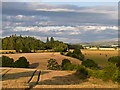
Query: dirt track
32	78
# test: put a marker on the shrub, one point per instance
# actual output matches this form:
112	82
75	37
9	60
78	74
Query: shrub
21	63
53	65
82	72
68	66
7	62
69	54
109	71
115	60
76	54
116	76
65	61
89	63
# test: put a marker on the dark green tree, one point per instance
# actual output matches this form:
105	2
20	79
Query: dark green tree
53	65
7	62
47	40
90	63
21	63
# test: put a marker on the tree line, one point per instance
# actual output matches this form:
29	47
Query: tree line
27	44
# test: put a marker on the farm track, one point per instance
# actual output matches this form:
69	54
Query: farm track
5	72
29	79
33	85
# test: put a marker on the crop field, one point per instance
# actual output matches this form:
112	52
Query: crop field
35	78
100	57
40	60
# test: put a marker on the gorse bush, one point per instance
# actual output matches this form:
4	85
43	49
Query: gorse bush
21	63
7	62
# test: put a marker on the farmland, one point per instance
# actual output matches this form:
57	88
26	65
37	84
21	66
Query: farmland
99	56
37	76
39	60
32	78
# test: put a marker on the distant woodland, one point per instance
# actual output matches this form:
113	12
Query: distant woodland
27	43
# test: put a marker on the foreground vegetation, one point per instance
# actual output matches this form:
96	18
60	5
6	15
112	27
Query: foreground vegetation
89	68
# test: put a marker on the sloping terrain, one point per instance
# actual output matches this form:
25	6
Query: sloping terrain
40	60
33	78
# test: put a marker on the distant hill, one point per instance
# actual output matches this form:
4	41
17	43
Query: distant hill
100	43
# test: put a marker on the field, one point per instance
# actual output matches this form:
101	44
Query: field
32	78
40	60
99	56
37	76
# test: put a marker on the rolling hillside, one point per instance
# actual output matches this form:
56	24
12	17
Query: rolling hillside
36	78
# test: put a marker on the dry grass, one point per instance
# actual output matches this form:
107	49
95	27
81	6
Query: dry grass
40	60
8	51
18	78
100	57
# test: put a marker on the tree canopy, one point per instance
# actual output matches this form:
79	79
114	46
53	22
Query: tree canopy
27	43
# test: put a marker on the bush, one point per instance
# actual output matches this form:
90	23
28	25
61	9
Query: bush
7	62
65	61
115	60
76	54
109	71
68	66
82	72
69	54
89	63
116	76
53	65
21	63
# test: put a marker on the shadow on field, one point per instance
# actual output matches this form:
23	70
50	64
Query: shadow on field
70	79
12	76
34	65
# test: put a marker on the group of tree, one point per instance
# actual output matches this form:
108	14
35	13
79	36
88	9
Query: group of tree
76	54
9	62
27	43
89	68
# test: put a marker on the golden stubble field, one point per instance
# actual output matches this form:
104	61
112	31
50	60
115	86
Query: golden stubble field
99	56
24	78
40	60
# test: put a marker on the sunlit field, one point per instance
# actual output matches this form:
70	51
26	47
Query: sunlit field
99	56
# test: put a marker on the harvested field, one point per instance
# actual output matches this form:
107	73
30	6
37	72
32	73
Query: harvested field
100	57
40	60
19	77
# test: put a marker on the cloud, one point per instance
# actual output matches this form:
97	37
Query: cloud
68	22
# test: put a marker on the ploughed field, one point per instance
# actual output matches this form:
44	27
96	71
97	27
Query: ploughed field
40	60
36	78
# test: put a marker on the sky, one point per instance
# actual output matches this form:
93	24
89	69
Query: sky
71	22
